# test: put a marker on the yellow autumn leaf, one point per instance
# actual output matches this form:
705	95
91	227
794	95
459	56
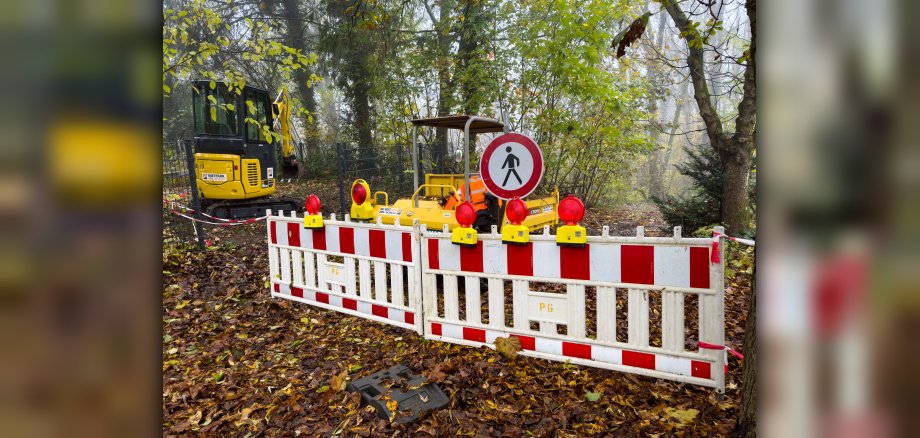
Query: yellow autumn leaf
508	346
196	418
683	417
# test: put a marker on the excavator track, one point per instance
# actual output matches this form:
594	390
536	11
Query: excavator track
245	209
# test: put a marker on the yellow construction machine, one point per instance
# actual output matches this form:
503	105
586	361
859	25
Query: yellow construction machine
433	203
235	155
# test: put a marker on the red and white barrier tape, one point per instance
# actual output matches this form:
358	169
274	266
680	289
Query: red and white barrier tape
223	224
222	221
725	349
715	244
731	350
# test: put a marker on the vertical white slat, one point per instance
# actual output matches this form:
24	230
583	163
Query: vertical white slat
473	311
321	272
429	296
606	314
364	274
638	317
380	281
297	267
350	280
412	280
576	317
672	321
396	284
415	277
273	269
451	304
496	303
309	269
519	290
712	314
547	328
286	266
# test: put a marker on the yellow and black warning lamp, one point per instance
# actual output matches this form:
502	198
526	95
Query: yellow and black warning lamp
361	208
465	234
571	210
313	219
515	233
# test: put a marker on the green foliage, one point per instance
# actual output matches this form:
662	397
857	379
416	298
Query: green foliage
218	40
704	203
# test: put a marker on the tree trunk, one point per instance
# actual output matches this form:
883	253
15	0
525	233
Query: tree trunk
734	150
445	83
296	39
736	166
747	414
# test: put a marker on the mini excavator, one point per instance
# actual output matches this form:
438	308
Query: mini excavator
235	156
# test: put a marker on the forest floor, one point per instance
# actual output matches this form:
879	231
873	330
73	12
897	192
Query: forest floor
237	362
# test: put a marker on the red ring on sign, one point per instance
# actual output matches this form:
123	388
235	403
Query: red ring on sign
531	183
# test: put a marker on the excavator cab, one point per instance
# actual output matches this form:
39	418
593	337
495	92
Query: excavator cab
235	154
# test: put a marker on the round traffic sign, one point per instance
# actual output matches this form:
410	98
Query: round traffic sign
511	165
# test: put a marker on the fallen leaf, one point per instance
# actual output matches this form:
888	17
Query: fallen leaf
196	418
509	346
592	396
683	417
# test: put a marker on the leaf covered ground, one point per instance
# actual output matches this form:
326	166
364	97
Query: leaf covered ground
236	363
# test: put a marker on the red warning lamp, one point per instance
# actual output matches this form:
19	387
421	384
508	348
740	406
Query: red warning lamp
313	219
358	193
466	214
571	210
312	204
516	211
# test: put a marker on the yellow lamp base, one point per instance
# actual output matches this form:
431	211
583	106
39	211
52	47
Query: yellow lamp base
464	236
571	235
515	234
313	221
363	212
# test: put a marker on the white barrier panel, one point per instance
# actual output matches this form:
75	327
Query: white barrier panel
674	267
362	269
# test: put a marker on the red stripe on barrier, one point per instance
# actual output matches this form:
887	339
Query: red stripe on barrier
520	259
407	247
527	342
637	264
319	239
700	369
347	240
574	263
472	334
378	243
273	231
409	318
322	298
297	292
436	329
380	311
293	232
471	258
349	304
433	254
639	360
572	349
277	287
699	267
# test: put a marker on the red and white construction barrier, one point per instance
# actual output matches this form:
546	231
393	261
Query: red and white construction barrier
418	279
674	267
375	279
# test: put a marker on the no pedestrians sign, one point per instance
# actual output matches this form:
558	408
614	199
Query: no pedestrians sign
511	165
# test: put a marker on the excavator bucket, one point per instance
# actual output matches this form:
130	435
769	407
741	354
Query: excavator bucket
291	169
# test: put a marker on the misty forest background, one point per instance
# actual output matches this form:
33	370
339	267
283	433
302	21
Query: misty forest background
631	101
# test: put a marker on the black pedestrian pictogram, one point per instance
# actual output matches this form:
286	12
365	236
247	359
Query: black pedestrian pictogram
511	162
